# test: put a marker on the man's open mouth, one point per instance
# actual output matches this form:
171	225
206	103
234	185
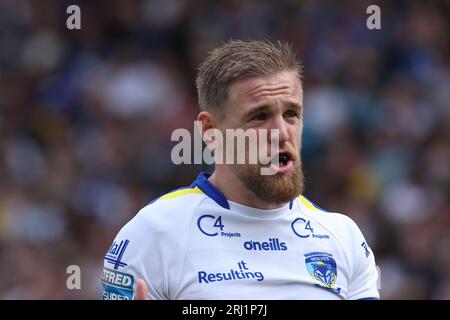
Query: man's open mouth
282	162
284	158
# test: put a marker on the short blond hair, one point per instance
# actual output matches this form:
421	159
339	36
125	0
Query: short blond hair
237	60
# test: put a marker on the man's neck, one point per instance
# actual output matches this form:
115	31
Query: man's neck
234	190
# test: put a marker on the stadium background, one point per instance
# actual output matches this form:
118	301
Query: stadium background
86	118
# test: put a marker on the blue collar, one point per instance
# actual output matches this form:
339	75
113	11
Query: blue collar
210	190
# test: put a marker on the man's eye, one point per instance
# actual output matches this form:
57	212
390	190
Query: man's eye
291	114
259	117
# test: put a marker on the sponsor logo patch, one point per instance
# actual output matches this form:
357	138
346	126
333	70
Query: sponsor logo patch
117	285
115	254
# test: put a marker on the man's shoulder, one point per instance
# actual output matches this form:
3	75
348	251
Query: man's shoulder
167	211
160	227
334	221
178	198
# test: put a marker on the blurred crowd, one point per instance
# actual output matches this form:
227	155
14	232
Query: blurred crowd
86	117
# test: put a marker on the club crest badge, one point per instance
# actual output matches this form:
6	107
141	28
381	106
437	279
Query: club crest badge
322	267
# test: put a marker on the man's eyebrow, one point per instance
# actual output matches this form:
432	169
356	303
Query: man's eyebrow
256	110
294	105
290	105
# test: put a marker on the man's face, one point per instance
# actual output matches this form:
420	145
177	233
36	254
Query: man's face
269	102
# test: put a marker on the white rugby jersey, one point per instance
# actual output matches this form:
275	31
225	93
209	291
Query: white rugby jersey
193	243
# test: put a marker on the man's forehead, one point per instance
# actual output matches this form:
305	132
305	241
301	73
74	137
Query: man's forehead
281	84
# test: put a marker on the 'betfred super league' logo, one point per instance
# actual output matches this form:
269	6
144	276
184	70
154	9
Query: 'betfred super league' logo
322	267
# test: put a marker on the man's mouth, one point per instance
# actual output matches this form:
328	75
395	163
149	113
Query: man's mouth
284	158
285	163
281	163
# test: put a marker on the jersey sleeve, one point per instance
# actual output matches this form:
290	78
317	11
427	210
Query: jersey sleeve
364	278
134	254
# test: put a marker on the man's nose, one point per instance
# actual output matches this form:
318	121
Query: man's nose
280	124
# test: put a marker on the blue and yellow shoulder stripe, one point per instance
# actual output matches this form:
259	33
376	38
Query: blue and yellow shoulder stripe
310	205
178	193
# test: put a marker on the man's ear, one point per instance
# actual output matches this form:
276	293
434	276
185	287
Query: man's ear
205	122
